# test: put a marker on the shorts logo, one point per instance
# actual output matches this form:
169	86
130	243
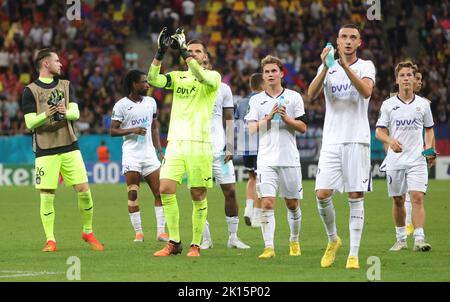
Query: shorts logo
389	179
365	180
208	178
39	173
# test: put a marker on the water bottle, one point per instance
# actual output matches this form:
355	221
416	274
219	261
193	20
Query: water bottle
276	116
141	138
329	59
224	166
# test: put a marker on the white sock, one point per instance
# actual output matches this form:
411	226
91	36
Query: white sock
206	233
136	221
400	233
268	227
408	208
249	203
328	216
256	214
233	223
160	219
294	220
419	234
356	224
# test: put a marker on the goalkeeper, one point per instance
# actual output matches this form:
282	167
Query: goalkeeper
189	148
50	109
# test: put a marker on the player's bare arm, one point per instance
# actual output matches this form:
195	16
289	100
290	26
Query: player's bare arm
364	86
263	123
115	130
317	84
155	138
295	124
228	125
382	134
429	143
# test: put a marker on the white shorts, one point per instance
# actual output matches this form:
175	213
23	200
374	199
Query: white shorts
286	180
224	174
344	168
142	167
402	181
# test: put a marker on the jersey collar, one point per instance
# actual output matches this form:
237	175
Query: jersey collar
282	91
414	98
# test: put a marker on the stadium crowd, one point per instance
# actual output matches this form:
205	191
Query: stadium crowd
95	57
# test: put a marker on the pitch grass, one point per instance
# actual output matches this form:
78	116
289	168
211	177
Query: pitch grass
22	238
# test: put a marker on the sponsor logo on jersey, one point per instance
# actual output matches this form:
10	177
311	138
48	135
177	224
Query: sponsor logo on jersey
341	87
139	121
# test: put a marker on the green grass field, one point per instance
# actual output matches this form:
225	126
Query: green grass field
22	238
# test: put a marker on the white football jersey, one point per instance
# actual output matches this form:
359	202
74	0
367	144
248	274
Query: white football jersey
346	112
224	100
132	115
277	146
405	122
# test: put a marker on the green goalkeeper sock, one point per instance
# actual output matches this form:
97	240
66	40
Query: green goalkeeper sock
172	214
199	213
86	207
47	212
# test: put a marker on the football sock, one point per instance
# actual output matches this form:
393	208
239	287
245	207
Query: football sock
268	227
328	216
172	214
419	234
233	223
160	219
86	207
206	232
199	214
294	220
400	233
47	212
356	223
136	221
408	208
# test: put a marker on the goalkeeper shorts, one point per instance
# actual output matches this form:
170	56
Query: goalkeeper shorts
69	164
190	157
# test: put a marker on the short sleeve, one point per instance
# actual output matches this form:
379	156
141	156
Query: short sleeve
383	117
155	109
28	102
428	116
227	97
72	97
299	109
368	71
117	113
252	114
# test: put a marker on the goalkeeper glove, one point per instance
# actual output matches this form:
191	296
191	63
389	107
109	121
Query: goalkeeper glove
55	98
179	41
163	44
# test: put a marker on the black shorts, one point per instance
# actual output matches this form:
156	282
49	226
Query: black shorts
250	162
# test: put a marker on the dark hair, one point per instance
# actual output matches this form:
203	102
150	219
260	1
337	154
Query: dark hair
40	56
195	41
256	82
351	25
133	76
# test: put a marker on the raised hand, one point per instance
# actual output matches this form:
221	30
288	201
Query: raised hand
179	41
163	44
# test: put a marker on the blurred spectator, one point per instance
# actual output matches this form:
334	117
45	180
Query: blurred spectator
103	153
